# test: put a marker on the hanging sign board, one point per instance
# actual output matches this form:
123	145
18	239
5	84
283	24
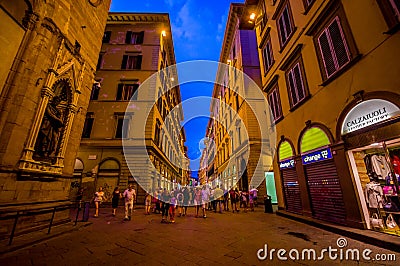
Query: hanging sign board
368	113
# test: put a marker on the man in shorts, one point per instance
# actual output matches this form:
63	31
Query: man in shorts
129	196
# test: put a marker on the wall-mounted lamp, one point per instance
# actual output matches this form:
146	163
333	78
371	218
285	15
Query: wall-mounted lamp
252	16
228	61
163	33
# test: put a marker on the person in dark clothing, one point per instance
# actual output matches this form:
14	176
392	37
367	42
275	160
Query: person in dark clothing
115	199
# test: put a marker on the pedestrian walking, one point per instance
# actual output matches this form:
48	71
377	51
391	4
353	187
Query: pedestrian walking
205	198
129	196
219	198
147	203
233	196
197	200
179	198
172	207
186	199
98	199
166	197
115	200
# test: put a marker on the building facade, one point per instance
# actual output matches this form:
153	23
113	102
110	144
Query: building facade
135	47
233	128
330	74
49	55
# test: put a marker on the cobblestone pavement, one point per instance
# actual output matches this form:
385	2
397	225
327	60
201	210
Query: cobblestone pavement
219	239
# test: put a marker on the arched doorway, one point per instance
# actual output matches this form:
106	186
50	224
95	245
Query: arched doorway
290	180
324	188
108	176
76	180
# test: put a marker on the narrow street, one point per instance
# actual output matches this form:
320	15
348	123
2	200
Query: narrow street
219	239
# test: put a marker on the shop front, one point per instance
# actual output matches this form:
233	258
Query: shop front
290	180
324	188
370	130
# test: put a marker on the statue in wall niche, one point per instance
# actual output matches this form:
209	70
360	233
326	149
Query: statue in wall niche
50	131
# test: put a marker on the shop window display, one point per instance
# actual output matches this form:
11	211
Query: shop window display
378	167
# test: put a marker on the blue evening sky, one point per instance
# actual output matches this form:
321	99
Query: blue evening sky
198	30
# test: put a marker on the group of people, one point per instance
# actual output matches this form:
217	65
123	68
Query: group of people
129	196
168	202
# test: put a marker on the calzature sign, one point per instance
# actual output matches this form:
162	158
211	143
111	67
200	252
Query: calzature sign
368	113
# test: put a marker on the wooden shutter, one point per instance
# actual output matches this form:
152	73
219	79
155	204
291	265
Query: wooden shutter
299	82
390	15
140	37
292	88
326	53
119	91
124	61
138	64
339	43
128	37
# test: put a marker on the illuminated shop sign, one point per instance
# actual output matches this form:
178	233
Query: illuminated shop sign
286	164
317	156
368	113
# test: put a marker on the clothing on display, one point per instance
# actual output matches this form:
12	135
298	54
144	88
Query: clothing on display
374	195
380	166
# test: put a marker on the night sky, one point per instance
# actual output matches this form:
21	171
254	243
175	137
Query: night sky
198	30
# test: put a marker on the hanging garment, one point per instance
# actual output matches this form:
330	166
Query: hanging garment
374	195
380	166
396	164
368	166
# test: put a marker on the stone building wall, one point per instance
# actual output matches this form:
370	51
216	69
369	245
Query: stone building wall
54	53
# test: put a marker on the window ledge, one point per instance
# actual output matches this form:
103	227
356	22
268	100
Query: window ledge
341	71
288	40
267	70
278	120
292	109
393	29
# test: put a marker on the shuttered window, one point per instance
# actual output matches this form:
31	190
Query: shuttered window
131	62
126	92
134	37
296	86
391	11
285	26
333	47
268	58
87	128
275	103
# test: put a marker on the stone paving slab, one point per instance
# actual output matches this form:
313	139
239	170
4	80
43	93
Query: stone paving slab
220	239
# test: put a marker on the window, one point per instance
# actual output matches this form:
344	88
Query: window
268	58
307	4
131	62
275	103
333	48
121	130
285	25
391	12
264	18
334	44
107	37
126	92
134	37
87	127
296	84
100	62
157	133
95	91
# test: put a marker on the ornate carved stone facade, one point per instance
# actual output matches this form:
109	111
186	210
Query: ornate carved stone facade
50	51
